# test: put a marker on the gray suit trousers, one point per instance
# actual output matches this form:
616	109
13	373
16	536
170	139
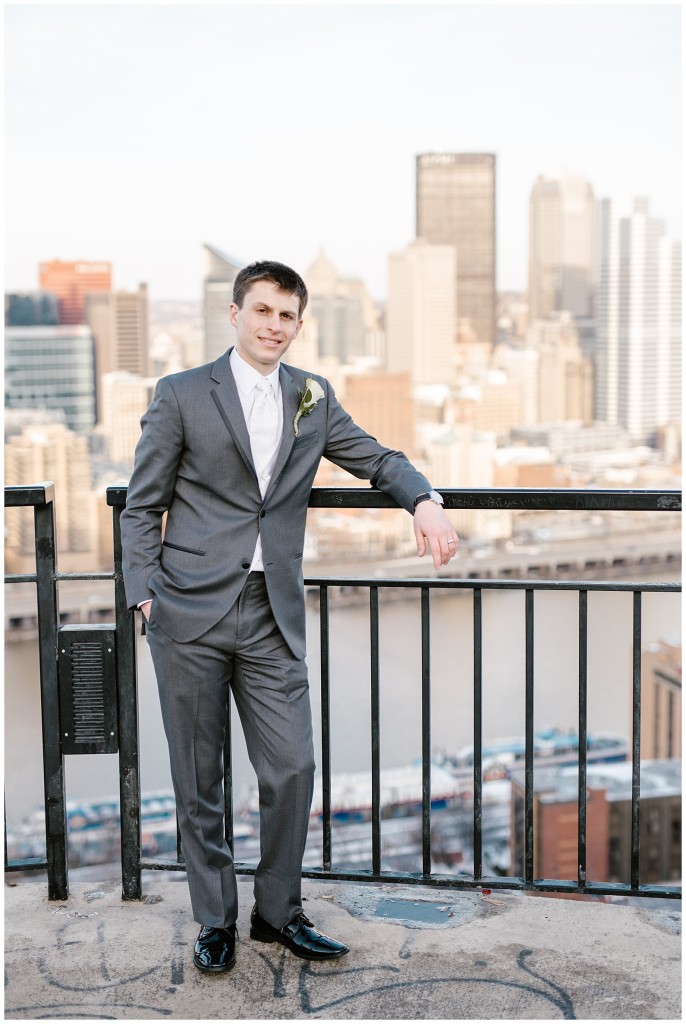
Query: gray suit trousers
245	653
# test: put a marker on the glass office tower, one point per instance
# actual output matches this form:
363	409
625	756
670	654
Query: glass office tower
52	368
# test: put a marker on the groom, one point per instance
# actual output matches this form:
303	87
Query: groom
229	452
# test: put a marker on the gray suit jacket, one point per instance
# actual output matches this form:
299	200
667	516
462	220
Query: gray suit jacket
193	461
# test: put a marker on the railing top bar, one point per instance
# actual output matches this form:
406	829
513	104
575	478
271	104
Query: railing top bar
564	499
443	583
509	498
34	494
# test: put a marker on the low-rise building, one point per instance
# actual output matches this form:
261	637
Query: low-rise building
608	822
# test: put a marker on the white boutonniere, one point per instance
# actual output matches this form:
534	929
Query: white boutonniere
308	400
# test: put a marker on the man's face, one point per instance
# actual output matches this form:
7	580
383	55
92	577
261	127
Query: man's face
266	324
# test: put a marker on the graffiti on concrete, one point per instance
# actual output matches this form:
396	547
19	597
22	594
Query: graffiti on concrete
165	988
310	981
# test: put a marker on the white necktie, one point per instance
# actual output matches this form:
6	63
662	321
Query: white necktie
264	431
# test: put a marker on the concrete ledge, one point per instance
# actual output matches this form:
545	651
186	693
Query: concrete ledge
447	955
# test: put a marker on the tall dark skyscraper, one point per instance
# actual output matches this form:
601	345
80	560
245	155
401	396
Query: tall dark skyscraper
456	206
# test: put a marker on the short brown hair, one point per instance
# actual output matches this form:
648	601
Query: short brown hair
268	270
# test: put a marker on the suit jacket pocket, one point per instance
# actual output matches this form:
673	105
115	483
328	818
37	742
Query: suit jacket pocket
178	547
305	441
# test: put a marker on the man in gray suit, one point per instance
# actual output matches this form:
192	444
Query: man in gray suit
229	452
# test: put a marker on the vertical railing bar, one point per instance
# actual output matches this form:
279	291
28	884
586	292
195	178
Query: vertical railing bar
583	732
426	732
127	707
376	749
180	859
670	725
326	726
478	733
636	745
228	779
53	760
529	742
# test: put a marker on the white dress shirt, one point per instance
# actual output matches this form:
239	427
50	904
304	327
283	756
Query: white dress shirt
246	378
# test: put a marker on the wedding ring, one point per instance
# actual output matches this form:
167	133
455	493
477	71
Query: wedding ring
452	542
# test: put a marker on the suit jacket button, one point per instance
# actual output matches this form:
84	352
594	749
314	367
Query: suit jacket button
262	514
245	565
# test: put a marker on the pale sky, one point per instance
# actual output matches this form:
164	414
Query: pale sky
134	133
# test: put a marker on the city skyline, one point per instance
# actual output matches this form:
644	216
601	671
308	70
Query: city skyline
132	161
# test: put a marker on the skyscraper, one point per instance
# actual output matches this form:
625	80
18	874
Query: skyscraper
638	369
52	368
420	318
71	282
347	321
561	247
220	273
119	322
456	206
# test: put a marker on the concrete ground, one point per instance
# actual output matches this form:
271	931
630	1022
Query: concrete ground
416	954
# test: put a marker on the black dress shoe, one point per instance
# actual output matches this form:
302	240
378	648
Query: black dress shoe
215	949
299	936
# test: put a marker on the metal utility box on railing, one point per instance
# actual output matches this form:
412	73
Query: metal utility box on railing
87	669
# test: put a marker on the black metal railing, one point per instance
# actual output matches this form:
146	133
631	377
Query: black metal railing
47	579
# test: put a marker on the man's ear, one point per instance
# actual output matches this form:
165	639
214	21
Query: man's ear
233	310
297	330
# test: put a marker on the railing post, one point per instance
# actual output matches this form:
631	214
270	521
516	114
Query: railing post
127	696
529	846
636	745
326	726
426	732
583	736
478	733
376	744
53	761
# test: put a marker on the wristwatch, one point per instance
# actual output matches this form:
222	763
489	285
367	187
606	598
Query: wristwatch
428	496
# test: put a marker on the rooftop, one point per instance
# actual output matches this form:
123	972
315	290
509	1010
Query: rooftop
658	778
415	954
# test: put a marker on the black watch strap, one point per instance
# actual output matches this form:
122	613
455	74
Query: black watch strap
428	496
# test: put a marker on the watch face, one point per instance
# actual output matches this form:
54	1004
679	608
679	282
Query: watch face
435	496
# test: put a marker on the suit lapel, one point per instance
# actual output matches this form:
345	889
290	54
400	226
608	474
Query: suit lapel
229	404
290	397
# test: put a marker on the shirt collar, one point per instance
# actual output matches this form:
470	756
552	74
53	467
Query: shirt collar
246	376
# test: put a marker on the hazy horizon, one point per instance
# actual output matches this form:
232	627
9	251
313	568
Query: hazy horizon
135	134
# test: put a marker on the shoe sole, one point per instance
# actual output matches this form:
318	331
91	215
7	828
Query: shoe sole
219	969
263	937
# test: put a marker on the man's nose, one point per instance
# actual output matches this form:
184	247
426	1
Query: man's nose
274	322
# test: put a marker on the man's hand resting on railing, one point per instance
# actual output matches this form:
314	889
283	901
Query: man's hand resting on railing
433	530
